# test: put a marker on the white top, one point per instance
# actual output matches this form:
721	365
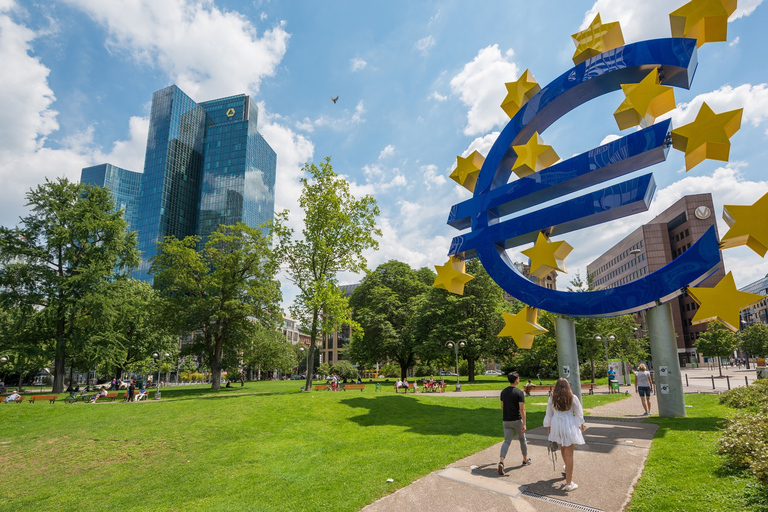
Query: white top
643	379
565	425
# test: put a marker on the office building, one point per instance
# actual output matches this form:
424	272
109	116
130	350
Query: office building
652	246
124	184
757	314
205	165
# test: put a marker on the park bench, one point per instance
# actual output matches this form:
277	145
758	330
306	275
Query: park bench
345	387
51	398
18	400
322	387
548	388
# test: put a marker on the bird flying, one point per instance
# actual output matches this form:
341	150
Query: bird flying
334	100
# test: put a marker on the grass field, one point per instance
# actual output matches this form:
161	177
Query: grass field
269	447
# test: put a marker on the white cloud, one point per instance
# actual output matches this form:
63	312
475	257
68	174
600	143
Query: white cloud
735	41
388	151
480	86
752	98
431	176
206	51
650	18
424	45
343	123
434	95
357	64
305	125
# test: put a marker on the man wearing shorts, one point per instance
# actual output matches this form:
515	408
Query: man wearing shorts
513	419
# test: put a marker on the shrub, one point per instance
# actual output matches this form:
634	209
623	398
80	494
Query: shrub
390	370
745	443
601	369
345	370
750	397
425	369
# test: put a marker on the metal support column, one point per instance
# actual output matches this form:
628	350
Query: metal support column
567	353
666	364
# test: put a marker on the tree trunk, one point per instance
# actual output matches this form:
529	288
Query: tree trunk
719	367
311	354
470	369
592	362
59	364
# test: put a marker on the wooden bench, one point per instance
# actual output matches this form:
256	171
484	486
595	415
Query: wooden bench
18	400
322	387
51	398
548	388
345	387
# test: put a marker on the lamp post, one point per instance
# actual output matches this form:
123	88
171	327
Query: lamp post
158	356
456	347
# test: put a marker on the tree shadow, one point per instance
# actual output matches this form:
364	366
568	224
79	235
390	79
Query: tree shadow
430	419
702	424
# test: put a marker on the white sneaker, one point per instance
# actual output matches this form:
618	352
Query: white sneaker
563	468
572	486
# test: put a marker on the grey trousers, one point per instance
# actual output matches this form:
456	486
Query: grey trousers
510	427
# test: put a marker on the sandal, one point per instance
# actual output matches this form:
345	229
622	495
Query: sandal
500	468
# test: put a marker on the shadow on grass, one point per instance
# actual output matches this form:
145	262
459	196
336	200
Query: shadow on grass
178	393
704	424
430	419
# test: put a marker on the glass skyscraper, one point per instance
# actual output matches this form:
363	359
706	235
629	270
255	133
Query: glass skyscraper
205	165
124	184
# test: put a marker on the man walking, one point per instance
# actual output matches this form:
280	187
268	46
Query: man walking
513	419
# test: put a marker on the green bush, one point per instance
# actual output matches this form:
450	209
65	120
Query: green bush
390	370
601	369
745	443
345	370
750	397
425	369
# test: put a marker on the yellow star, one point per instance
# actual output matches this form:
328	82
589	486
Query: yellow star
467	170
522	327
547	256
707	137
748	226
518	93
722	303
645	102
703	20
533	156
451	276
598	38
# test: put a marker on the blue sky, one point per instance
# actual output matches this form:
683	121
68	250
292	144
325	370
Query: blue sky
418	83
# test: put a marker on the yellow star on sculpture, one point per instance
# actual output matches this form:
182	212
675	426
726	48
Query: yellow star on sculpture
451	276
707	137
703	20
645	101
533	156
598	38
519	93
748	226
547	256
467	170
722	303
522	327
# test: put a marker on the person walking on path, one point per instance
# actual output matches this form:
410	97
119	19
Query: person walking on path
513	419
131	390
565	423
644	388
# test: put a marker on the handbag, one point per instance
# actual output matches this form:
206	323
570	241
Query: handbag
552	448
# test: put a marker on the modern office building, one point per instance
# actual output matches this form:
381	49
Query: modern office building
124	184
205	165
333	344
549	281
652	246
757	314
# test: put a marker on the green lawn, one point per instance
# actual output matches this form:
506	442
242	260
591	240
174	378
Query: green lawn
269	447
684	471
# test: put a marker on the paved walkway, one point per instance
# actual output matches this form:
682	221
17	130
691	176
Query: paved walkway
606	468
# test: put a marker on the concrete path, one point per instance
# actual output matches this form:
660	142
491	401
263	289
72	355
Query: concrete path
606	469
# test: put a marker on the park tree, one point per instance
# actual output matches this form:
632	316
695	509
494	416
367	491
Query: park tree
386	305
345	370
716	341
267	350
25	352
474	318
754	340
125	325
221	292
73	240
338	228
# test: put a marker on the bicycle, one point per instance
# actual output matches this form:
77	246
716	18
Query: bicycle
73	396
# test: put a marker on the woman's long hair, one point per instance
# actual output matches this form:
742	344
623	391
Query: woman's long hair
562	396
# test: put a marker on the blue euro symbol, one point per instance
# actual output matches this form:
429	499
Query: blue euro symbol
491	211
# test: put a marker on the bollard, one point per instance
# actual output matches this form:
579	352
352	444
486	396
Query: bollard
686	380
728	380
746	382
713	381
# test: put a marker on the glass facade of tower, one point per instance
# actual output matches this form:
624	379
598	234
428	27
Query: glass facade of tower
124	184
205	165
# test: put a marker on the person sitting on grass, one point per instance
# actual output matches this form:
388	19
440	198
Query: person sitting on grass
101	393
13	397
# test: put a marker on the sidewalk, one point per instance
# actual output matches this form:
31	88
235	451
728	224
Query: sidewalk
606	469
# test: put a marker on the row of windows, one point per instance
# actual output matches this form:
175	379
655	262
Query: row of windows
681	250
619	270
629	278
679	236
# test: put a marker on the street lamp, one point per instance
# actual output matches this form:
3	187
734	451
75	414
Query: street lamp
159	358
455	347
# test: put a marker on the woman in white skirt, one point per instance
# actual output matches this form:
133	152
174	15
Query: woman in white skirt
565	423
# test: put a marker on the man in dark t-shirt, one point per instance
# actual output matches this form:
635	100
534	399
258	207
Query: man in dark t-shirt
513	419
131	390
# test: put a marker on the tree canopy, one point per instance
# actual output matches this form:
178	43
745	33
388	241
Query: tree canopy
338	228
718	341
222	292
